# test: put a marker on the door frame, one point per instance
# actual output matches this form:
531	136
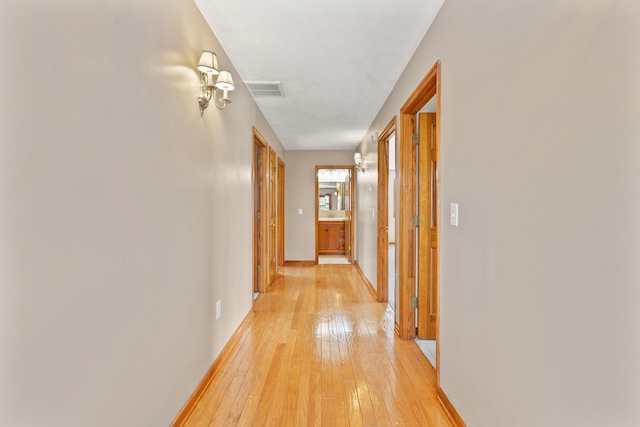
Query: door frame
405	234
260	199
280	212
352	194
383	211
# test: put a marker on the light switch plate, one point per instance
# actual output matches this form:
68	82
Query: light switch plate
299	211
453	214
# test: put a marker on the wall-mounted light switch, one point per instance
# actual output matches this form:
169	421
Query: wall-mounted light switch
299	211
453	214
218	309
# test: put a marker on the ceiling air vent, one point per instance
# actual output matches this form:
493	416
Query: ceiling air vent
265	89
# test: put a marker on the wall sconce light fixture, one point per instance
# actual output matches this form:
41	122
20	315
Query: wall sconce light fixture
208	67
357	159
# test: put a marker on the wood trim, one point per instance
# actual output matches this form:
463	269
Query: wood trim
450	410
229	350
300	263
281	172
317	207
383	211
370	287
438	217
263	247
425	90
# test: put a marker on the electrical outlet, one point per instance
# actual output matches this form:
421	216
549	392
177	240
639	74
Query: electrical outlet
218	309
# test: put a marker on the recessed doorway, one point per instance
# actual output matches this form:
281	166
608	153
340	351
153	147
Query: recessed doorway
334	204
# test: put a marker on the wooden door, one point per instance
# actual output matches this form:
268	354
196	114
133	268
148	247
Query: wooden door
260	213
258	237
428	228
383	212
273	208
280	213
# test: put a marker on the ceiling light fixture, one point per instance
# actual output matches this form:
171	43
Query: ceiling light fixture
208	67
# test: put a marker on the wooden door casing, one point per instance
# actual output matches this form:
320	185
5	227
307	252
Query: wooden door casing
406	231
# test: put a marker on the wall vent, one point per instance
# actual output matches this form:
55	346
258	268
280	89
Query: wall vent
265	89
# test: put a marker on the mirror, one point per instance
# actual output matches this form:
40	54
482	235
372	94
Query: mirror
334	193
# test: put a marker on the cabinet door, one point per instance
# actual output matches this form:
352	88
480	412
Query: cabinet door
332	237
322	237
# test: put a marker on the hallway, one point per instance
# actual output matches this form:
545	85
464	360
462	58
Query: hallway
318	350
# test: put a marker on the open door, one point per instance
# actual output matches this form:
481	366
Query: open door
280	213
428	229
259	237
273	209
386	214
260	213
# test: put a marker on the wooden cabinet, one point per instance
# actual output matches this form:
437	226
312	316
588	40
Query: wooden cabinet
331	237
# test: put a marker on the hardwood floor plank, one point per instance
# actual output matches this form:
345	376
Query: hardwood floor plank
266	396
319	351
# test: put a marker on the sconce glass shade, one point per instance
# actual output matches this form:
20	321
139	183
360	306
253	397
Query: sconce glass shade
357	158
208	63
225	81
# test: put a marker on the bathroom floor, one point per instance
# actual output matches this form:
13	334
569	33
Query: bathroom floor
332	259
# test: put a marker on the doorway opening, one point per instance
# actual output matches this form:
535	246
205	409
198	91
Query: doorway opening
266	198
418	225
386	276
334	205
260	150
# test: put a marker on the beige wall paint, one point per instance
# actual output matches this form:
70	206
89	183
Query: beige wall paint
539	284
300	184
367	211
124	215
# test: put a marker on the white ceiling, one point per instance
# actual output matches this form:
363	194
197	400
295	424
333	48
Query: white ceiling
338	60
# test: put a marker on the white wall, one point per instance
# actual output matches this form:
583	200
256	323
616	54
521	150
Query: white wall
124	215
300	192
539	284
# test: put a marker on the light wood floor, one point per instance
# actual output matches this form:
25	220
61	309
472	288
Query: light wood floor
320	351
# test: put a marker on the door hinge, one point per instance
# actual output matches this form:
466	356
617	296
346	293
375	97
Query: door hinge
416	221
416	138
259	162
414	302
274	259
259	268
258	215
